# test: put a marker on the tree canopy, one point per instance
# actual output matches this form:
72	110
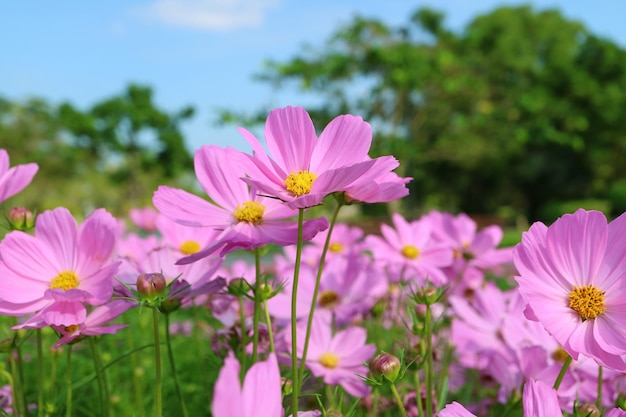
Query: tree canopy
112	155
520	110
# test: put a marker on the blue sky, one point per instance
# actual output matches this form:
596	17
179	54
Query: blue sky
204	52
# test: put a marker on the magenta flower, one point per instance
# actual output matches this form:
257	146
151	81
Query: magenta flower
15	179
540	400
305	168
245	219
411	248
58	269
338	359
572	276
260	395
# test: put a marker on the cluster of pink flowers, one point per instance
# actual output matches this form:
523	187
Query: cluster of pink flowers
564	297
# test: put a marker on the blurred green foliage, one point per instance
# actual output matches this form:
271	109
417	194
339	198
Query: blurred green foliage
112	155
520	110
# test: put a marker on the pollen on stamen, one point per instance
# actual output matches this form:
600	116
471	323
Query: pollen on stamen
189	247
329	360
587	301
65	280
300	183
410	252
249	212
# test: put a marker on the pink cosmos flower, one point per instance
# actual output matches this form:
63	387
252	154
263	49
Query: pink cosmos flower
93	325
58	269
474	251
15	179
540	400
245	219
144	218
411	248
454	410
337	359
615	412
305	168
260	395
572	276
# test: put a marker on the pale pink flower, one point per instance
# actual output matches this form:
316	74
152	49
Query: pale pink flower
260	395
245	219
338	359
305	168
573	277
410	247
58	269
184	240
615	412
14	179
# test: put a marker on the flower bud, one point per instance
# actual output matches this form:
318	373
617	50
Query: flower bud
151	286
385	366
588	410
169	305
21	219
238	286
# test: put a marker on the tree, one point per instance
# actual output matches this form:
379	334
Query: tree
135	140
520	109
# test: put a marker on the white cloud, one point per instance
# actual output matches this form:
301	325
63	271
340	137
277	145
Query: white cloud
211	15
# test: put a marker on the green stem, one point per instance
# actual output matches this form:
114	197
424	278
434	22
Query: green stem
418	395
559	378
158	408
268	321
16	386
244	336
170	354
294	312
40	375
600	381
137	385
20	371
257	300
428	370
103	385
68	382
398	400
318	279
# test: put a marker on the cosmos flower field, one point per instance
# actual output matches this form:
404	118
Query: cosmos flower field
244	300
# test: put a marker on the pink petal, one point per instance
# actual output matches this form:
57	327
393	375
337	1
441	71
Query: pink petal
227	395
220	174
345	141
58	230
290	138
189	209
262	389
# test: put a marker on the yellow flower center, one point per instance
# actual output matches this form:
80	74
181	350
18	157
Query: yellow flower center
300	183
189	247
335	247
588	301
410	252
329	360
65	280
72	328
560	355
328	298
250	212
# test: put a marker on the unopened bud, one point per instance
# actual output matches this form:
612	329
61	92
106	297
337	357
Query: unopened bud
151	286
21	219
385	366
238	286
588	410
